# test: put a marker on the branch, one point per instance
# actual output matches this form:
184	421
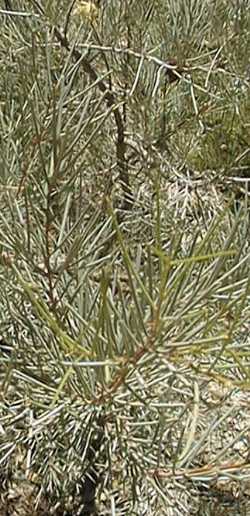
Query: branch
120	142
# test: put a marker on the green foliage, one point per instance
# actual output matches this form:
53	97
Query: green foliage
124	265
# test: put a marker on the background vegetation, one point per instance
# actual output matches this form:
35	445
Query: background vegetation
124	257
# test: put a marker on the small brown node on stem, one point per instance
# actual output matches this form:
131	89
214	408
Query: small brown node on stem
173	74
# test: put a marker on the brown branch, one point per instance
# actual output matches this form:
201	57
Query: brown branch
120	142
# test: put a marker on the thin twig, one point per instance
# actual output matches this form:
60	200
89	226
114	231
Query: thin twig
120	142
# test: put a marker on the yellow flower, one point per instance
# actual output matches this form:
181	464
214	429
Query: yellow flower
86	10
